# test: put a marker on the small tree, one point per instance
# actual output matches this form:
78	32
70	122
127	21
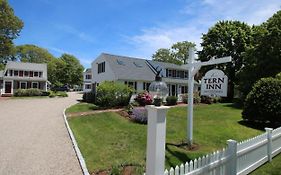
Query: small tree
263	103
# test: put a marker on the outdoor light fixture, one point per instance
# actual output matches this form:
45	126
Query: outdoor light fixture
158	89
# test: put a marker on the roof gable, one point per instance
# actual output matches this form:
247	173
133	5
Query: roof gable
129	68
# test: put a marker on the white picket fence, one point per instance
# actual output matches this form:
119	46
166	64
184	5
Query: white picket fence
238	158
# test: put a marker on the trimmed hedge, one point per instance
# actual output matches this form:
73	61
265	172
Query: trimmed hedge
28	92
111	94
263	103
171	100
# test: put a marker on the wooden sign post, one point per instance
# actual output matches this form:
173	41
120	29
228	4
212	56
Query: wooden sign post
193	67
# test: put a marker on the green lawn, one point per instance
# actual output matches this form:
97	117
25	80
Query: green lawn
108	140
81	107
272	168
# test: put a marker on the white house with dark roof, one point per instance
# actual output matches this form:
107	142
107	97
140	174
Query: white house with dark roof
19	75
139	73
87	80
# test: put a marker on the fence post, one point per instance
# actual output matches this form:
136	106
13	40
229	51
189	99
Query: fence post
232	162
269	143
156	139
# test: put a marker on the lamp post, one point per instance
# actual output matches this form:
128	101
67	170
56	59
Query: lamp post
156	129
158	89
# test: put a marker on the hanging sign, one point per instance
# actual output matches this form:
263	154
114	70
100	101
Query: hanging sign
214	83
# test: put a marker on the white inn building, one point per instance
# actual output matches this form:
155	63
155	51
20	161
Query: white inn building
137	73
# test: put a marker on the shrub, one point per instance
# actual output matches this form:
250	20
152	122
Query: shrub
89	97
46	93
61	94
207	100
139	115
196	98
171	100
144	98
27	92
110	94
263	103
52	95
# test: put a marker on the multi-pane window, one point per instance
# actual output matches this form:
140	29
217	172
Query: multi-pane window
131	84
34	84
21	73
88	86
88	77
26	73
11	72
184	89
172	73
146	86
16	73
31	73
35	74
23	85
101	67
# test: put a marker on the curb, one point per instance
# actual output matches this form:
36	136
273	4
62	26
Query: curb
75	146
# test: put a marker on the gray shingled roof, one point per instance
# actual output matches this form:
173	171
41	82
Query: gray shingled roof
129	68
166	65
25	66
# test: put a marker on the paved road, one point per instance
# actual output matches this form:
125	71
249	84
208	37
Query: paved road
34	139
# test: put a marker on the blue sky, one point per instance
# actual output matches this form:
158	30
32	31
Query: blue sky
137	28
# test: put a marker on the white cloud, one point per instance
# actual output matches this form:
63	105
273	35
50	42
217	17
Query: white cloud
73	31
201	16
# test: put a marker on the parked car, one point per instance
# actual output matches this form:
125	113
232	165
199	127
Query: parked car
61	88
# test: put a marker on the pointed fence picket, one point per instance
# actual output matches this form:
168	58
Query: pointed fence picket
249	155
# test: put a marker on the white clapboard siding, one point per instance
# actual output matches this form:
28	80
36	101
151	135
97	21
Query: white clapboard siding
250	154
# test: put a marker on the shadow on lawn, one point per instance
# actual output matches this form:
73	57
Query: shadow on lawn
179	155
234	105
258	125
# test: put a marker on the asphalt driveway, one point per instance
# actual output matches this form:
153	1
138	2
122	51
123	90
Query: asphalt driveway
34	139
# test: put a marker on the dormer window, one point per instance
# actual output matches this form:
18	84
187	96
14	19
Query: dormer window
120	62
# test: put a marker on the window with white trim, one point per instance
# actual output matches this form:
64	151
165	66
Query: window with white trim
35	85
101	67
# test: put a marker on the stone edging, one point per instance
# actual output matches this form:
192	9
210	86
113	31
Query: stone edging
76	148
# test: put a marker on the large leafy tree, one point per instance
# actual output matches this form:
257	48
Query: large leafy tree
180	50
227	38
263	58
33	54
72	71
10	27
177	54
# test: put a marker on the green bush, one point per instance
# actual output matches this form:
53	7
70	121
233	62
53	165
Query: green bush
196	98
89	97
61	94
111	94
171	100
263	103
46	93
27	92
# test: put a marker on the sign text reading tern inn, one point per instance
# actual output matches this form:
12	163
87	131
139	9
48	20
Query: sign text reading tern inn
214	83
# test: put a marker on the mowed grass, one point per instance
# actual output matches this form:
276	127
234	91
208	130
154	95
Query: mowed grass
272	168
81	107
109	140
